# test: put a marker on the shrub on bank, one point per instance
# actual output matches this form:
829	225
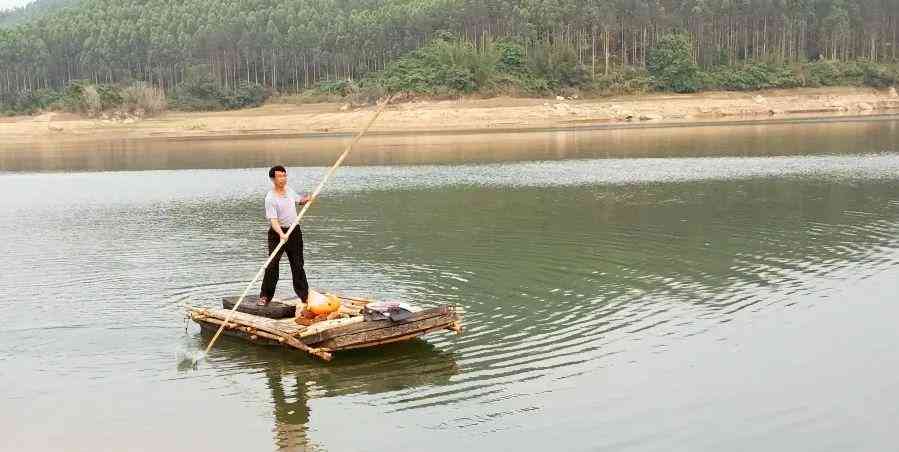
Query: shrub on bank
750	76
444	67
449	66
362	92
880	76
627	80
671	65
27	102
558	64
832	73
141	97
200	92
84	97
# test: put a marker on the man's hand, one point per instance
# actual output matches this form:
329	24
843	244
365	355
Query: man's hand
304	199
283	237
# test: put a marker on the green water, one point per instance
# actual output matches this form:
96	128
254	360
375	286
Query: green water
744	300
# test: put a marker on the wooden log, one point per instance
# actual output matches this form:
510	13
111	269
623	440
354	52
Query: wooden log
387	333
281	326
257	323
284	339
211	325
389	339
328	324
317	333
210	328
294	342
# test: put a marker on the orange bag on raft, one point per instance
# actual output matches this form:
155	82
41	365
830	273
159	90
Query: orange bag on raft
321	304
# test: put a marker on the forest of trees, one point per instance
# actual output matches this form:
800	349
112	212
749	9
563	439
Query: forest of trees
291	45
32	10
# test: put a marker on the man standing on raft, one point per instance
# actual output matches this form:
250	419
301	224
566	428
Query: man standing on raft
281	211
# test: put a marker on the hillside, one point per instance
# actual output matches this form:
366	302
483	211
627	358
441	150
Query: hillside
441	48
32	11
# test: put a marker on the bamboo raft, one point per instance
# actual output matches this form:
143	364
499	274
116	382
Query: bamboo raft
321	339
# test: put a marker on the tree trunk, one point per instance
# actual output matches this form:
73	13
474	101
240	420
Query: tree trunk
593	54
606	52
873	50
643	48
635	59
274	71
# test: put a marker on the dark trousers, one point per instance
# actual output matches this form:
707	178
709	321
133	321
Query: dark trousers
294	250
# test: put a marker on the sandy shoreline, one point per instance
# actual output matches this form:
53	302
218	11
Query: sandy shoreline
461	116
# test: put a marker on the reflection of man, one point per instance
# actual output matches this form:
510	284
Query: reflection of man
281	211
291	418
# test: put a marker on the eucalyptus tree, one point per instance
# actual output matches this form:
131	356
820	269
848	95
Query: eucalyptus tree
289	45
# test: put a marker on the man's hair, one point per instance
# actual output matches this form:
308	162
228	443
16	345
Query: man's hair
271	172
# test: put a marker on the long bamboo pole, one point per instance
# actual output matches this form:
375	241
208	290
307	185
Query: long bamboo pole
293	226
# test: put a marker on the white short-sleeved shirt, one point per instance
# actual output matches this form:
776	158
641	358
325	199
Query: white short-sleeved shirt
284	208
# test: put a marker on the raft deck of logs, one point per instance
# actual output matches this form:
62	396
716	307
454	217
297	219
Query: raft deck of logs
321	339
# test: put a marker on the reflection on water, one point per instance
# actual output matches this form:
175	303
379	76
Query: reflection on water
682	303
291	381
804	138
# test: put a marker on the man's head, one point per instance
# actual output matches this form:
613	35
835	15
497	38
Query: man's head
278	175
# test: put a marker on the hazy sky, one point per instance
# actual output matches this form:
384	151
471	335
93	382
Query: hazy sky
6	4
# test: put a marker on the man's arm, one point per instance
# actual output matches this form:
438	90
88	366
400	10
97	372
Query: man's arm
276	225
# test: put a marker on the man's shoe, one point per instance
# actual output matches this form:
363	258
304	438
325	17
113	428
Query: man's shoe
263	301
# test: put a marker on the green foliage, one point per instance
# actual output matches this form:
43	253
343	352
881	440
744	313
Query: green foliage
511	56
142	98
30	102
542	45
627	80
82	96
90	101
432	47
518	84
367	91
43	99
246	95
881	76
756	76
339	87
110	96
27	102
445	67
31	11
822	73
752	76
197	92
671	64
200	92
557	63
850	73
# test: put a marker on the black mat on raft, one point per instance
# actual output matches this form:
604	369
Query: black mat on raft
273	310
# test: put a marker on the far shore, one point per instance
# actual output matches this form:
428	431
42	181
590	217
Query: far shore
502	114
